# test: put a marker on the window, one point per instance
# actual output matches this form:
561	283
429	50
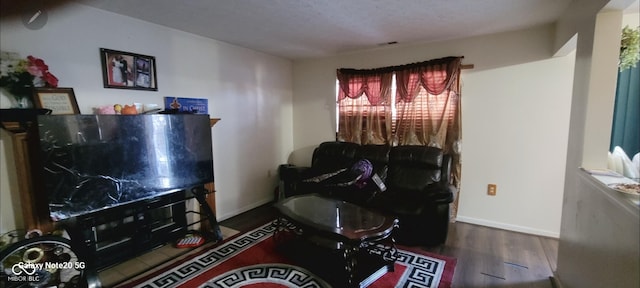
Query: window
424	110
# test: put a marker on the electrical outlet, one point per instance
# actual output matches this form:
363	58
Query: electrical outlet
491	189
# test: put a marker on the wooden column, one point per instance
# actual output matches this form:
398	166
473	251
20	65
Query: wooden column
35	210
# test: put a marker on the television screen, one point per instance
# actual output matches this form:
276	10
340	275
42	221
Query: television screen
94	162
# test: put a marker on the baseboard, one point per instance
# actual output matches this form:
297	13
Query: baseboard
243	209
504	226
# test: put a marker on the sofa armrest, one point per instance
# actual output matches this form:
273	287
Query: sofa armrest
290	178
291	173
446	169
441	193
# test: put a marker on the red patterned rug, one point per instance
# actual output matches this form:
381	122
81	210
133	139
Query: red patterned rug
252	260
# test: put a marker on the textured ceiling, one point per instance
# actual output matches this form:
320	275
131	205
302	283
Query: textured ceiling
300	29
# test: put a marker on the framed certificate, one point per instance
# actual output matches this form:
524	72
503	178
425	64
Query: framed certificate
61	101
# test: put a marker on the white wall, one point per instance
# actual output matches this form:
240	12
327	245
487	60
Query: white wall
515	106
516	138
249	90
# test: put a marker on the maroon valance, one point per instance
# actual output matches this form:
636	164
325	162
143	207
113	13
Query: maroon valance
377	86
435	76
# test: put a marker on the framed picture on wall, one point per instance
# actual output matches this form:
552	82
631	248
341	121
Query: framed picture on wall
61	101
124	70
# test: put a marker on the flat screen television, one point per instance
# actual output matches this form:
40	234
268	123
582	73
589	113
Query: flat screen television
95	162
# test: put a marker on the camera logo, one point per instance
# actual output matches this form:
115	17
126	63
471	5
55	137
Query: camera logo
28	269
25	272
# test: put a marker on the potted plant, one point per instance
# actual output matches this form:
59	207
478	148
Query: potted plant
629	48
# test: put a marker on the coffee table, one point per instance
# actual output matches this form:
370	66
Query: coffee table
362	237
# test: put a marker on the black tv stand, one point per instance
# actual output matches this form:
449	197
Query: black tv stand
114	235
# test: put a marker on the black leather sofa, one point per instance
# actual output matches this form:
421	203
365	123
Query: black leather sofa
417	180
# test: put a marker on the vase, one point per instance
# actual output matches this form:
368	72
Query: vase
10	100
7	100
24	102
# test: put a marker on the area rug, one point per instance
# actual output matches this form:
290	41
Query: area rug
252	260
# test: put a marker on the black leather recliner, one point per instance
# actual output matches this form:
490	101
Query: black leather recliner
418	193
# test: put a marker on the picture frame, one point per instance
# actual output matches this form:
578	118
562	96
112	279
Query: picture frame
125	70
61	101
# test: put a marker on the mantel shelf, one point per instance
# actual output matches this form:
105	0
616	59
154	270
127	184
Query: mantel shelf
13	127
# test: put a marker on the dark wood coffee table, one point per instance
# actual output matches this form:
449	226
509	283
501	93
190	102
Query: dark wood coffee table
362	237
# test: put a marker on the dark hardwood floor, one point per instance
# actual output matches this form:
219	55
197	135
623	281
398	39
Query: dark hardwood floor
486	257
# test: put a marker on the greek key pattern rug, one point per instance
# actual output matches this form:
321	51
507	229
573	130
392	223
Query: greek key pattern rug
251	260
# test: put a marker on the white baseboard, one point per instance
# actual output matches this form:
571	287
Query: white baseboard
510	227
243	209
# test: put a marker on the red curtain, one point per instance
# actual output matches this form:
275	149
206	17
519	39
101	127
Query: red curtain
364	106
428	103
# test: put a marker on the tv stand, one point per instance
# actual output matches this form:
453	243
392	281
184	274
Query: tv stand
117	234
